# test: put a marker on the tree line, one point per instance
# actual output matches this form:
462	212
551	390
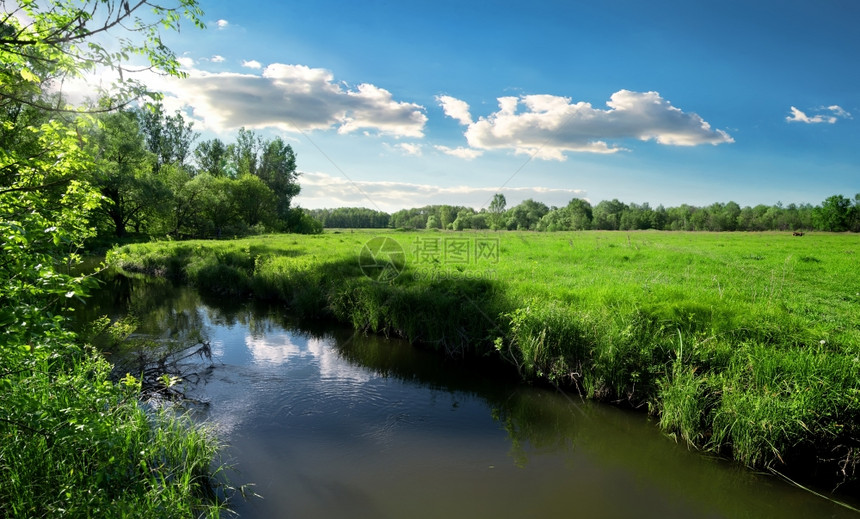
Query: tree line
837	213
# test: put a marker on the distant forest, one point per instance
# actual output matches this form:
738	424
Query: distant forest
836	214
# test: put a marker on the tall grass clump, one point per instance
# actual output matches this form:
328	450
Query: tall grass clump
450	316
213	275
164	259
294	281
547	341
775	404
685	399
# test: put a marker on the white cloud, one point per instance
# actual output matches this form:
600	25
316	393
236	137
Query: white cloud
252	64
185	62
217	59
836	113
798	116
81	90
321	190
455	109
551	126
222	24
460	151
277	347
409	148
292	98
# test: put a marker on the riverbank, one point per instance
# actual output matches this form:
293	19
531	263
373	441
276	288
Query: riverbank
746	345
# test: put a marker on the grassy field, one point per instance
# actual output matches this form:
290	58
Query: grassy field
747	345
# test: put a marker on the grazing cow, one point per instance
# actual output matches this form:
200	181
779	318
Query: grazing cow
797	233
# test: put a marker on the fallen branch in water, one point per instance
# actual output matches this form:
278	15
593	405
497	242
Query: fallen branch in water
161	371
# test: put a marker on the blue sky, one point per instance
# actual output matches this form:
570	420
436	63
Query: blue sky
402	104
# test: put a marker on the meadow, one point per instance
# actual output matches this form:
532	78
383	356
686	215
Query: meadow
746	345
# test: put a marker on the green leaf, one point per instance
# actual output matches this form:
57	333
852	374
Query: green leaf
29	76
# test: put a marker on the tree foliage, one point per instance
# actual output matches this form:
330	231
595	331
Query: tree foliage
211	157
526	215
277	169
834	214
44	44
52	176
351	217
124	171
168	137
150	187
497	211
43	209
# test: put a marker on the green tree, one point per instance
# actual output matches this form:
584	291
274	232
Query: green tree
123	171
447	214
680	218
497	212
277	168
660	218
480	221
200	204
415	218
251	200
607	214
463	220
731	212
244	153
211	157
722	217
854	215
635	216
699	219
791	219
526	215
833	214
168	137
301	221
174	178
351	217
45	198
43	220
773	217
557	219
581	214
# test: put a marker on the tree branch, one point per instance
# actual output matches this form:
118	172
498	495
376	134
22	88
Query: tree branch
53	109
73	37
30	189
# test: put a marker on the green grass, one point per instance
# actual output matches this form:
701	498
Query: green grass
746	344
74	444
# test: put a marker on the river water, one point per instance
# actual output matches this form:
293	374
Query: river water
327	423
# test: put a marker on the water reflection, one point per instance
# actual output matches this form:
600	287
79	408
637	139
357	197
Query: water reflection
330	423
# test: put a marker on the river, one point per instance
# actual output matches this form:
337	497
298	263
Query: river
331	423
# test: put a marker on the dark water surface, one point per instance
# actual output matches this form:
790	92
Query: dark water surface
331	424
